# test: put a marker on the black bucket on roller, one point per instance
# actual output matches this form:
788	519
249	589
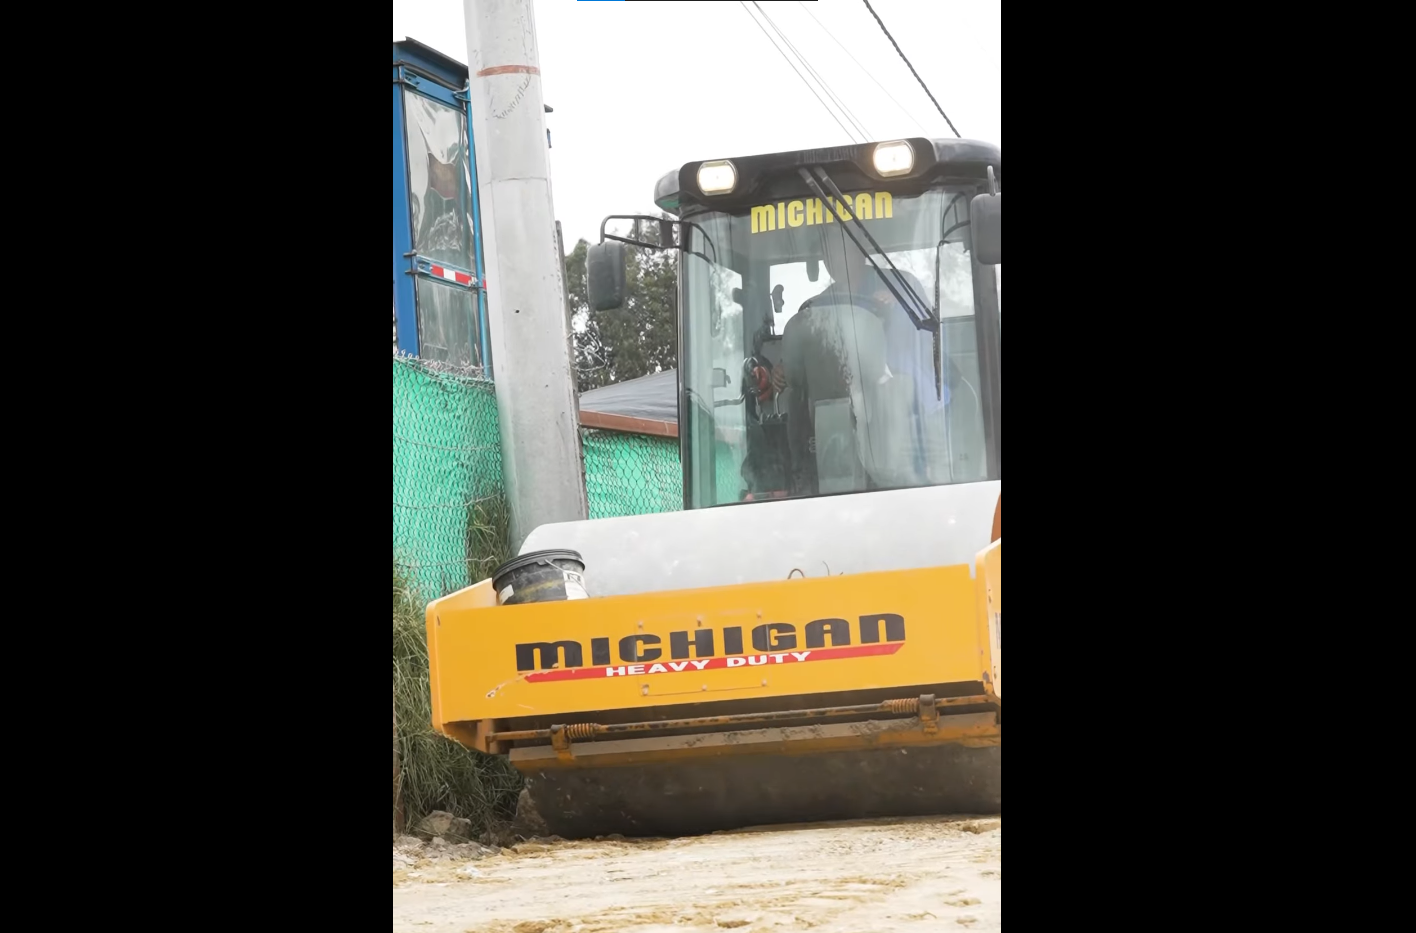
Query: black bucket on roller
540	577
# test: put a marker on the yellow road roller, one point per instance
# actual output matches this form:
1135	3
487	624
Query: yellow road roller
817	634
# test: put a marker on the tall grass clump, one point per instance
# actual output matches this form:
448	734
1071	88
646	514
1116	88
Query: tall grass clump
435	773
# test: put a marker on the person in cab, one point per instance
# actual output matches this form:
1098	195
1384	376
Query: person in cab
851	356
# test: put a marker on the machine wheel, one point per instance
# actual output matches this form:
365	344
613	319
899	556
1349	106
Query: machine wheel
733	792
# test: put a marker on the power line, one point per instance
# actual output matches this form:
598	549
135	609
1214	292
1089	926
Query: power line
835	98
872	77
911	67
808	84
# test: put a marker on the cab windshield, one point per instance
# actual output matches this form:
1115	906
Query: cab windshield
805	374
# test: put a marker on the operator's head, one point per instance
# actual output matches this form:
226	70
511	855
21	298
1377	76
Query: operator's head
843	259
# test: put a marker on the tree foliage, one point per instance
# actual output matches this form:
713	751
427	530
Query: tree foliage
636	339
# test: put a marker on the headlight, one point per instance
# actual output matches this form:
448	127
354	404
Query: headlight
894	158
716	177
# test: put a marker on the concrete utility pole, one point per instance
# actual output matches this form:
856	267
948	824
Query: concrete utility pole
530	336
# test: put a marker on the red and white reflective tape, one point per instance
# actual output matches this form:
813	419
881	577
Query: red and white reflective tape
461	278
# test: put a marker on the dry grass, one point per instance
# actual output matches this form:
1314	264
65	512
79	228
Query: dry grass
435	772
488	536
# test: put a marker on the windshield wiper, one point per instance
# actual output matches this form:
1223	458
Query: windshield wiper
921	314
925	318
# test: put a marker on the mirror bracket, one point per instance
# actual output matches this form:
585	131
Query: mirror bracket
666	236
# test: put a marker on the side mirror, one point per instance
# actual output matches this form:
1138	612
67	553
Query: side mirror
604	268
986	225
813	269
666	234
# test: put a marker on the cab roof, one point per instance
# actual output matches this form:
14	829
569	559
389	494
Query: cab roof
851	167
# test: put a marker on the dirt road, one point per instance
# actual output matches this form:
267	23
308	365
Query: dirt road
866	877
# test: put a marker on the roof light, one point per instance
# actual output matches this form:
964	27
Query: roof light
895	158
717	177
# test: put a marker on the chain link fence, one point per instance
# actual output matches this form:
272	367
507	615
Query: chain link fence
449	513
449	510
631	474
638	474
450	530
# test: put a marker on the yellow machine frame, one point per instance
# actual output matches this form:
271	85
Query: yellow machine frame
890	631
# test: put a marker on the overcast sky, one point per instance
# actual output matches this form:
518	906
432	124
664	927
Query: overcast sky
640	87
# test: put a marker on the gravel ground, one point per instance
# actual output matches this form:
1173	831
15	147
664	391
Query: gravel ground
861	877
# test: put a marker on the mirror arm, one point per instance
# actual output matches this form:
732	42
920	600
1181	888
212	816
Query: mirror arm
620	239
610	236
656	246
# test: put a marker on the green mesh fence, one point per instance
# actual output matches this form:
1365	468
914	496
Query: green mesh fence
631	474
727	472
636	474
449	512
448	505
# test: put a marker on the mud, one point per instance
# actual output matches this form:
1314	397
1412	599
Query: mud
882	876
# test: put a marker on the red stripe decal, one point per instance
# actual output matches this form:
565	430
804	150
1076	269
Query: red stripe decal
770	659
438	271
509	70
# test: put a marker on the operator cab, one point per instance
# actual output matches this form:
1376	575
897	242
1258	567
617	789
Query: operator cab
838	314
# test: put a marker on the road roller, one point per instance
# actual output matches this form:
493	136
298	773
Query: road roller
817	633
